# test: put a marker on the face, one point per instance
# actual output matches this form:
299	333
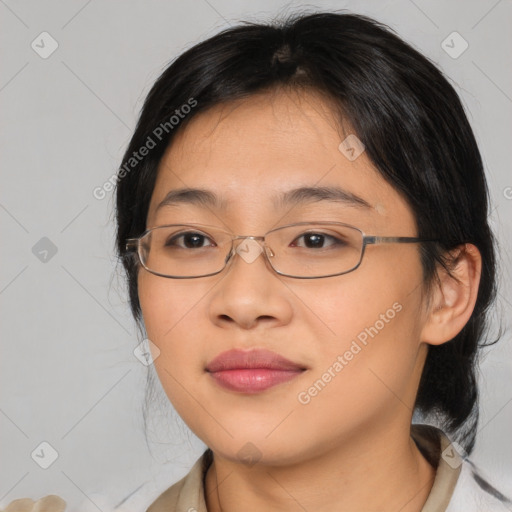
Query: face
355	337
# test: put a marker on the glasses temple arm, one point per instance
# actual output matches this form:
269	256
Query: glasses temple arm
395	240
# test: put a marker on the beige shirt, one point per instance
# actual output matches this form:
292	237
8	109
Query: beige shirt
187	495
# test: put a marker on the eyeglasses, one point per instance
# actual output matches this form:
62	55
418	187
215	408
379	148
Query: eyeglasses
304	250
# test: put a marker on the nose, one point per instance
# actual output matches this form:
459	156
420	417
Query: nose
250	293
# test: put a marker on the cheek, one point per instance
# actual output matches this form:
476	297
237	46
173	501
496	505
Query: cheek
364	332
368	372
171	313
170	309
364	301
371	319
378	331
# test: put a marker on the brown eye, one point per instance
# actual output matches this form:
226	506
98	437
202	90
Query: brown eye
190	240
317	241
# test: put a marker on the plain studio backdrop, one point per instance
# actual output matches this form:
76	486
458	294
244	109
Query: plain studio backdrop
74	75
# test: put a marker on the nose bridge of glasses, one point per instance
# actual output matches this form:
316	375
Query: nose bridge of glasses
250	247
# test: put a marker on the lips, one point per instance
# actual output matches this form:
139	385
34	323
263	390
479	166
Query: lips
252	371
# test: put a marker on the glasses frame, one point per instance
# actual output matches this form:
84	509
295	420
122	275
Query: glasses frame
134	245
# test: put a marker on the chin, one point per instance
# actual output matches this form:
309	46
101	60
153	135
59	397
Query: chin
251	447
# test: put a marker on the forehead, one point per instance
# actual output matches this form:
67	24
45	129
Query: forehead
253	155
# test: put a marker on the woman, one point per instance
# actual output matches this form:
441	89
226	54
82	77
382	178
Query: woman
302	216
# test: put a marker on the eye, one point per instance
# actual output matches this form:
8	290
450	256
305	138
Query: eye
314	240
190	240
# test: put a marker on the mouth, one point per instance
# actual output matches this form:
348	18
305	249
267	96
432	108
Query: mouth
252	371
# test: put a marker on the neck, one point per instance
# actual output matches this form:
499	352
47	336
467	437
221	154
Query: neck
381	471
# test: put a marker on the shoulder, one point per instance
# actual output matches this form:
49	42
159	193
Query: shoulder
167	501
474	493
155	495
458	485
188	493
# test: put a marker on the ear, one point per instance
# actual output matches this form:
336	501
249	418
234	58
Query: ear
453	298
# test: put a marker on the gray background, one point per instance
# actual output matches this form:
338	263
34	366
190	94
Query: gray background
68	373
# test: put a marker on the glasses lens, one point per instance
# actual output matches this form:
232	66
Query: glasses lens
184	251
301	250
315	250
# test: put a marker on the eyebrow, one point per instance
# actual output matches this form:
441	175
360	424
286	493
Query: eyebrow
296	196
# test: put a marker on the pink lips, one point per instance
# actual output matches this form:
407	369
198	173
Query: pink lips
252	371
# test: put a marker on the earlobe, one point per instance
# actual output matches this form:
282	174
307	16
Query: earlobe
454	296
